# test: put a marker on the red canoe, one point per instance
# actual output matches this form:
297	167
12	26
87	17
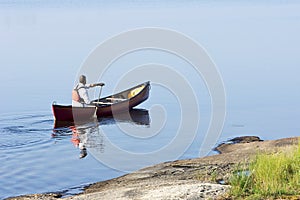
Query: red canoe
106	106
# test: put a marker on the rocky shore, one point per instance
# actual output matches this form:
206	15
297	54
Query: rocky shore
199	178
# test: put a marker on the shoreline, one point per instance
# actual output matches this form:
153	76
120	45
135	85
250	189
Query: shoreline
197	178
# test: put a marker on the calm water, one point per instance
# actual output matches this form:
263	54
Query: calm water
254	44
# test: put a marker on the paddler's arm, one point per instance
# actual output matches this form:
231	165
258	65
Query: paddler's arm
96	84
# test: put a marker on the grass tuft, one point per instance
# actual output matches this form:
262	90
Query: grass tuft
269	176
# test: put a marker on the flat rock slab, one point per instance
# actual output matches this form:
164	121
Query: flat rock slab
162	190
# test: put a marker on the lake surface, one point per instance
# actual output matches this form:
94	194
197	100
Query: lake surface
255	46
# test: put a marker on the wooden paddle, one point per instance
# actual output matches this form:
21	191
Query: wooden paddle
101	85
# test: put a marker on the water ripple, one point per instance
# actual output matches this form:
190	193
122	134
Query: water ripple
31	130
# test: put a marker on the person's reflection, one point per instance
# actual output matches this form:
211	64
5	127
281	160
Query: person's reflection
79	139
87	136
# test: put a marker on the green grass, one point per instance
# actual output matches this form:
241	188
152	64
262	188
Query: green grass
268	176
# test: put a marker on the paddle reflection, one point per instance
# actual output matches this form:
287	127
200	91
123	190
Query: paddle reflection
86	135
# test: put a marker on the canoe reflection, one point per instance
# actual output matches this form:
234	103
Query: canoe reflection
87	135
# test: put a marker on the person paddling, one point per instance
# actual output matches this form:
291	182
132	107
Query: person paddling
80	96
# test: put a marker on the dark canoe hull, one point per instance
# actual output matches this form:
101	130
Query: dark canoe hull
135	115
69	113
106	108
